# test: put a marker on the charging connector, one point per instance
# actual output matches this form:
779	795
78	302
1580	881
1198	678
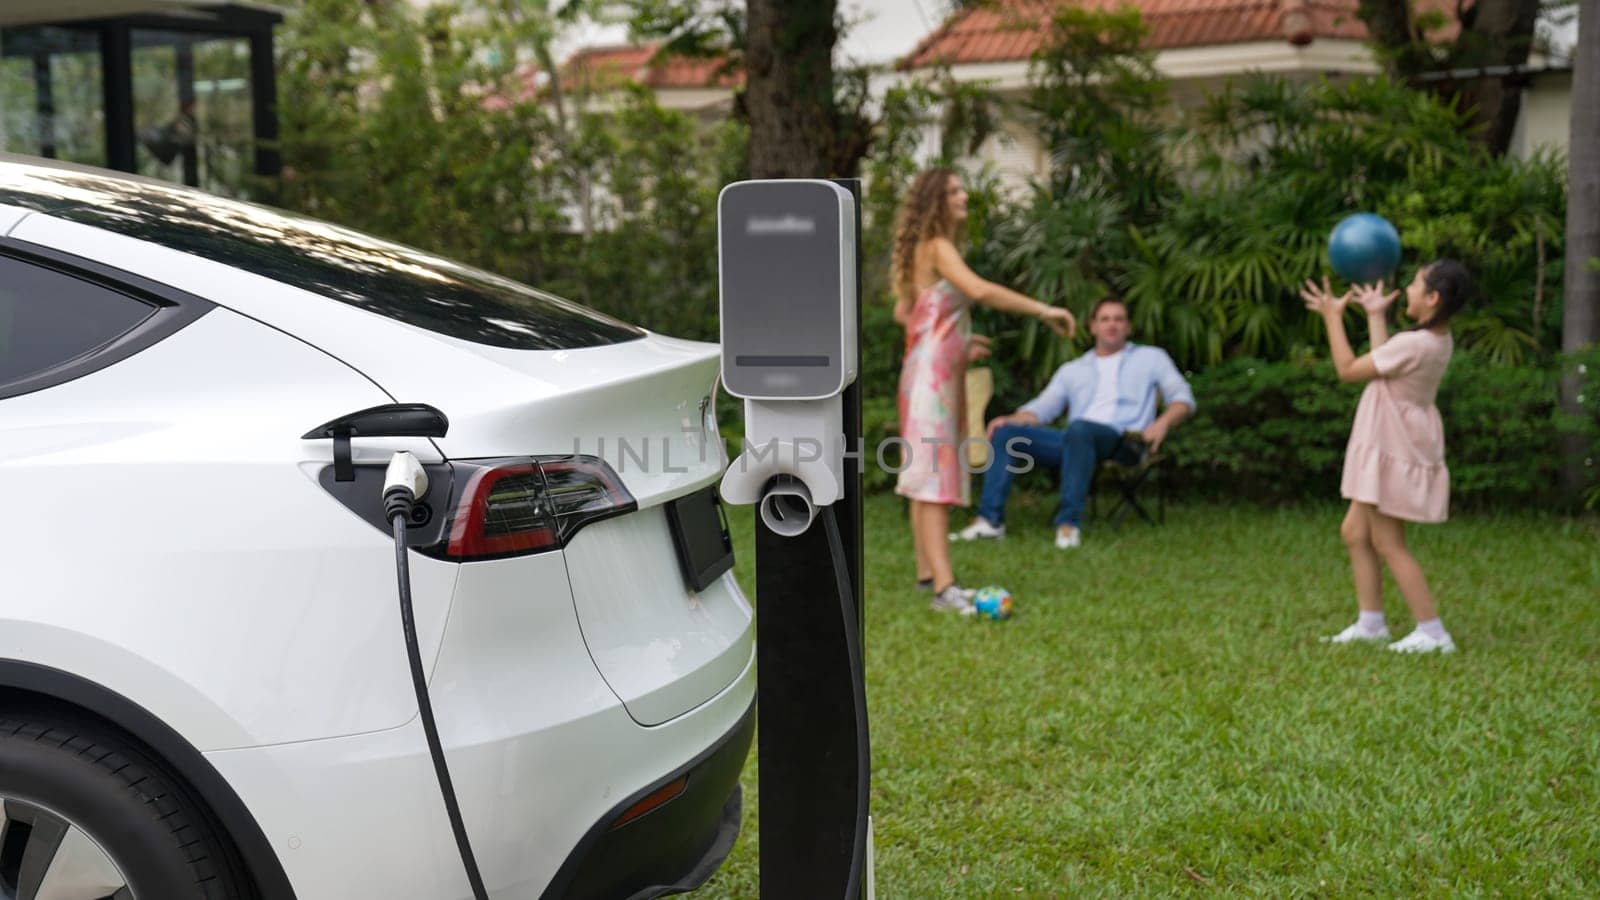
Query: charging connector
404	483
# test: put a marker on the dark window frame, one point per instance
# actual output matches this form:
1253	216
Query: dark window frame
225	20
173	311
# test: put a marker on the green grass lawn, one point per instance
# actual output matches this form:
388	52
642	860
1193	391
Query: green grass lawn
1160	718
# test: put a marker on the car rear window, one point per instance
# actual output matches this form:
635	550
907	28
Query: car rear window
49	320
389	279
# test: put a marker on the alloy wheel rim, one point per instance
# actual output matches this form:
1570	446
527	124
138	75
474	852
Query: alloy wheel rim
46	856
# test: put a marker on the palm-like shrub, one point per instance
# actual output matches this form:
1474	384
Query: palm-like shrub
1258	177
1277	165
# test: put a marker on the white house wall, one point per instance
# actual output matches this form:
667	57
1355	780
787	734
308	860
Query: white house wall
1330	56
1016	154
700	101
1545	122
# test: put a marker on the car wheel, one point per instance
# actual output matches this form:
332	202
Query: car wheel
87	815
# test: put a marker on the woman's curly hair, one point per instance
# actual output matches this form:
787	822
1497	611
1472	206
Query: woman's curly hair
924	214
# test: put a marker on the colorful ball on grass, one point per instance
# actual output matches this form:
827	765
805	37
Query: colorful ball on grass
1364	248
993	603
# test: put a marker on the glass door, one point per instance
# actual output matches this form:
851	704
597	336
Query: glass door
193	109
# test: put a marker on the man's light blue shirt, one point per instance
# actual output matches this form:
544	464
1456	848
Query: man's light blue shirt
1143	371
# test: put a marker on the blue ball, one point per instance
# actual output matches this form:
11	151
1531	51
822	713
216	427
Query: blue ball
1364	248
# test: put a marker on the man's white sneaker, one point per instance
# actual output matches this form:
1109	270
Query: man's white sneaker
1357	633
1418	642
1068	537
979	530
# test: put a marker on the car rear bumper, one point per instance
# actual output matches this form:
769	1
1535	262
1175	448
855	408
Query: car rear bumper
676	846
361	816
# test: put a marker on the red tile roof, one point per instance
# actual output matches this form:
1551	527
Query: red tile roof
602	67
607	68
1010	30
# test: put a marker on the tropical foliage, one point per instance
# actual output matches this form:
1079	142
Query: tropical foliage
1246	188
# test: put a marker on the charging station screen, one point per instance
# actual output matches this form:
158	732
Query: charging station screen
782	333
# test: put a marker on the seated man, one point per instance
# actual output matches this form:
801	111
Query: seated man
1107	392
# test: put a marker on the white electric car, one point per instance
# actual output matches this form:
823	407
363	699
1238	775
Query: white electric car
204	687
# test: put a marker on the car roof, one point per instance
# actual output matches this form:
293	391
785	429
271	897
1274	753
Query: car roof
337	263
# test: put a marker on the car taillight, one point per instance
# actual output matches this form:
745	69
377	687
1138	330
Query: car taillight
512	507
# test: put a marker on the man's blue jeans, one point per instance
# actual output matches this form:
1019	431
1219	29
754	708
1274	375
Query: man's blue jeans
1075	451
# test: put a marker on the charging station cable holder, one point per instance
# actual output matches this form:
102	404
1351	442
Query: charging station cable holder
788	474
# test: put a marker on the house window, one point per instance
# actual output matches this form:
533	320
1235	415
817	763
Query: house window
52	94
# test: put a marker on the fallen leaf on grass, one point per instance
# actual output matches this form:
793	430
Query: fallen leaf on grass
1196	876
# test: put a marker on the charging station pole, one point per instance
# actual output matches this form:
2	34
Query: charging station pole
806	731
789	264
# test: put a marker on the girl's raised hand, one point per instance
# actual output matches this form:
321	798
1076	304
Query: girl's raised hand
1372	298
1320	299
1061	321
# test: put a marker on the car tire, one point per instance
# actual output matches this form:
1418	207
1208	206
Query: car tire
58	773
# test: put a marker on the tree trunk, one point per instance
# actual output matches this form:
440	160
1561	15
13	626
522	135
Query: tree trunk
1492	33
1389	26
1501	34
789	88
1581	311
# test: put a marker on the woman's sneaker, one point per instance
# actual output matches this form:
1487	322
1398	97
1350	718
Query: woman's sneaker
979	530
1419	642
954	597
1357	633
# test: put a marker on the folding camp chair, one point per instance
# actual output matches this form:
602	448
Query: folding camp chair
1128	479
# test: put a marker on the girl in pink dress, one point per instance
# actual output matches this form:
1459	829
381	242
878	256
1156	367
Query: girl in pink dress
1394	470
934	291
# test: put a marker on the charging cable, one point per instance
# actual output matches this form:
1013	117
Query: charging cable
858	685
404	483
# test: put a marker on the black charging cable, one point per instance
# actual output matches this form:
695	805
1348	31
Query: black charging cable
858	684
399	497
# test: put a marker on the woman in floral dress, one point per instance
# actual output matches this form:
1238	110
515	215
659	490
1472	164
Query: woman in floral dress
934	292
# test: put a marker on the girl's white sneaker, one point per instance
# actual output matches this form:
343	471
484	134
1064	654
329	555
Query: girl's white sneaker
1417	642
955	597
1357	633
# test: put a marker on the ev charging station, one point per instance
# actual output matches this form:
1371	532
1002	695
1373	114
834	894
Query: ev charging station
788	260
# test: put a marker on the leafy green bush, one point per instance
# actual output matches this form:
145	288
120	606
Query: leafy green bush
1274	431
417	126
1265	430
